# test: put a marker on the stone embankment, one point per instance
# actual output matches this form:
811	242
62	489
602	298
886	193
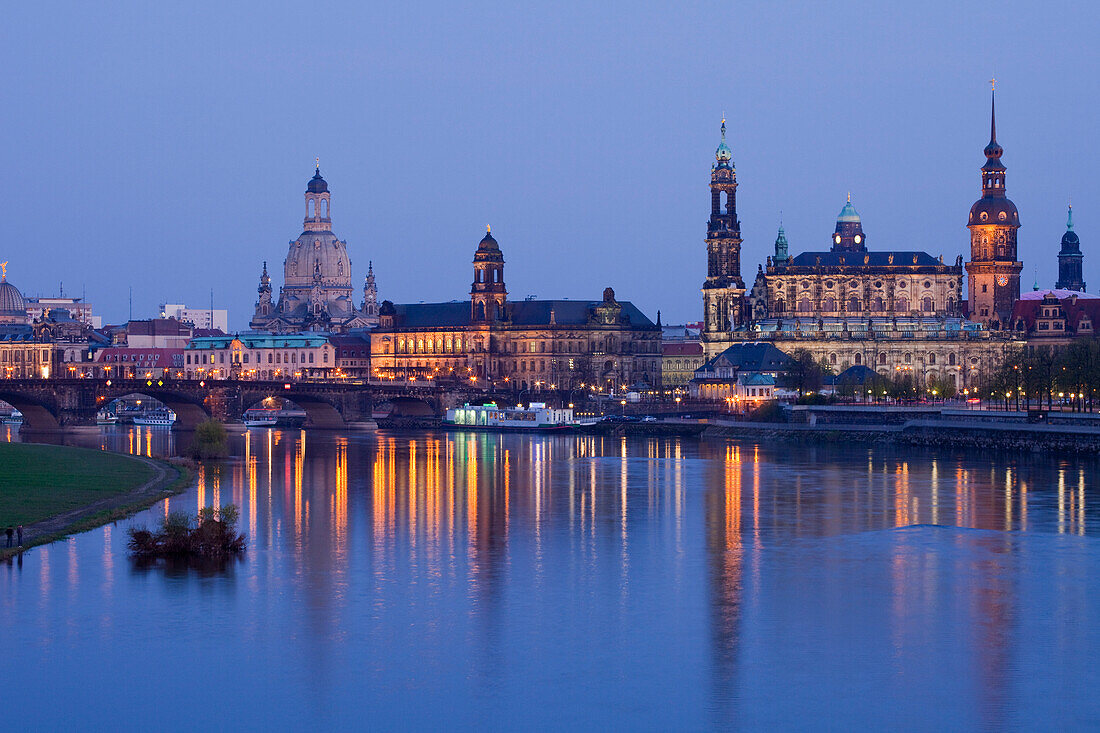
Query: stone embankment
984	434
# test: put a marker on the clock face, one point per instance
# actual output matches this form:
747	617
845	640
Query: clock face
837	239
1002	280
858	239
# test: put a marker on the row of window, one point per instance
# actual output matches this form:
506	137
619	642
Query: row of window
277	357
829	305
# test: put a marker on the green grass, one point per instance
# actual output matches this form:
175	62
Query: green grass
41	481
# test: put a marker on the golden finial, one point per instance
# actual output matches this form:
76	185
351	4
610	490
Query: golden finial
488	229
317	162
4	268
993	83
849	197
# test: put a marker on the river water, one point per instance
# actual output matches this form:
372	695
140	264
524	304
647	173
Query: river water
476	581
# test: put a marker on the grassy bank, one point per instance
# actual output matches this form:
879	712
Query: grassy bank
57	490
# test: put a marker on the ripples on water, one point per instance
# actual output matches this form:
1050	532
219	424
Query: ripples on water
472	580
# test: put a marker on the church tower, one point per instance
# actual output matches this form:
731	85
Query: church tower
993	271
723	290
370	294
487	293
1070	273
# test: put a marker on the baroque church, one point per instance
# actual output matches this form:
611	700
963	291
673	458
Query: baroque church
901	313
317	294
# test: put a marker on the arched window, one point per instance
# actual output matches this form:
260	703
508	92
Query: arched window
311	208
931	358
780	305
481	311
832	358
804	306
908	358
853	305
901	305
951	359
926	304
858	358
882	358
878	304
829	304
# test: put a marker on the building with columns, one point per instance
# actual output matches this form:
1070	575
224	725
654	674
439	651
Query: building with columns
521	345
317	294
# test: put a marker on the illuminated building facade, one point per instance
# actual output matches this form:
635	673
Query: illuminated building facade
529	344
259	356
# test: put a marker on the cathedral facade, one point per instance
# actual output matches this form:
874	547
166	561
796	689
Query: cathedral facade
522	345
317	293
900	313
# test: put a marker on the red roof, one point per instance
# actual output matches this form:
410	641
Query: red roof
682	348
1029	311
141	358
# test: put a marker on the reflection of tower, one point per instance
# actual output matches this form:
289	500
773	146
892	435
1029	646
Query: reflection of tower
723	290
1070	275
993	271
725	562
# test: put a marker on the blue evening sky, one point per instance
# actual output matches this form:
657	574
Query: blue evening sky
166	146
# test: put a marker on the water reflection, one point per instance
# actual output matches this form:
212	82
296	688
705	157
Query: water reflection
706	575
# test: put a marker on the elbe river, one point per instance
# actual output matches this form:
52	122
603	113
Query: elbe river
481	581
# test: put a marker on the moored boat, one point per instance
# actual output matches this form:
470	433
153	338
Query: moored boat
160	417
536	417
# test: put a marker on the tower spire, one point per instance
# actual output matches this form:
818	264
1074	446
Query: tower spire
993	110
1069	219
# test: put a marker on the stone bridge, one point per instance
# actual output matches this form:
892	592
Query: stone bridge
49	404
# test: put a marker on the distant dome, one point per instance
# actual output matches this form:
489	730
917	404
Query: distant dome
317	184
12	305
848	213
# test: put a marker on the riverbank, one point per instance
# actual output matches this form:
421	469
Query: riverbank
55	491
929	433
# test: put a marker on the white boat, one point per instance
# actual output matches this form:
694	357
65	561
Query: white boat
161	417
104	417
535	417
261	418
270	417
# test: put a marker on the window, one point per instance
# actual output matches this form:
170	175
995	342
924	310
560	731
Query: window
931	358
246	358
311	357
926	304
882	358
985	288
858	358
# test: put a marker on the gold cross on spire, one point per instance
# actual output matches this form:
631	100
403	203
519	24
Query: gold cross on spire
4	268
993	83
317	161
488	229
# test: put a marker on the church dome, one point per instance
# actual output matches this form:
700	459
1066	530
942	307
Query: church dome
848	214
12	304
317	184
994	210
487	242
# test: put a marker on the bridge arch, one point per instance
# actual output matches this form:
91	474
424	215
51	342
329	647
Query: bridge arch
190	411
320	412
37	414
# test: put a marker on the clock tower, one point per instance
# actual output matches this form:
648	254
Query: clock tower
993	271
723	290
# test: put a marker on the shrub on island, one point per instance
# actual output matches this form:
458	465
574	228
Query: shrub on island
211	534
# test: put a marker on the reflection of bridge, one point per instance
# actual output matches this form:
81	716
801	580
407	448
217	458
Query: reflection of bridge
50	403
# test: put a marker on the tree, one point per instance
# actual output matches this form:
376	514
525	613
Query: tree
804	372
